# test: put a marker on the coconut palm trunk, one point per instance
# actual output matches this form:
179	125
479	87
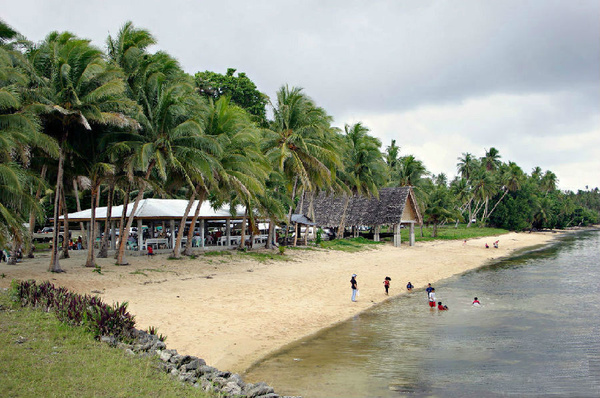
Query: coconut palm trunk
177	248
65	244
54	263
91	262
122	219
38	193
342	226
103	252
81	224
190	236
289	221
243	232
121	256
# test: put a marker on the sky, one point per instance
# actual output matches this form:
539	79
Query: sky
442	78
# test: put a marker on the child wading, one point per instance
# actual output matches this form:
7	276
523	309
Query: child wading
386	284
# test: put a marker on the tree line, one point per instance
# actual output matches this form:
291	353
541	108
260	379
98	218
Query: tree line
114	125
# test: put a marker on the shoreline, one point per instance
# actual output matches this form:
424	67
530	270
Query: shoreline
235	312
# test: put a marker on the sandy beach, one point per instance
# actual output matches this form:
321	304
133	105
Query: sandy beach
232	311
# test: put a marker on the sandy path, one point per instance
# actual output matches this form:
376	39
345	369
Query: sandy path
234	312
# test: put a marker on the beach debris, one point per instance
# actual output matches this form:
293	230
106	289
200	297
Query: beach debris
297	359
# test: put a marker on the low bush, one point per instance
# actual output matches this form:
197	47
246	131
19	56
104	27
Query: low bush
77	310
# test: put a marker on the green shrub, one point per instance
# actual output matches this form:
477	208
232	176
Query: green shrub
75	309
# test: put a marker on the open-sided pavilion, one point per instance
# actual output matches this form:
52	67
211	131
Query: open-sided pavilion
159	219
393	207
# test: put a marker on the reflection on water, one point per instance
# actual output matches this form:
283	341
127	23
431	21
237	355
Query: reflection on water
536	334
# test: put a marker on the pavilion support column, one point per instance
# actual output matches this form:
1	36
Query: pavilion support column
202	233
88	231
412	234
172	226
376	234
397	240
113	236
228	231
140	234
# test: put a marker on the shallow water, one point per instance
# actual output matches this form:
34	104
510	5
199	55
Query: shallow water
537	333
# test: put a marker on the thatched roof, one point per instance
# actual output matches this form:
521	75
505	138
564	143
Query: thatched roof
394	205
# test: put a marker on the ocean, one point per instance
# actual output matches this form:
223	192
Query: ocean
536	334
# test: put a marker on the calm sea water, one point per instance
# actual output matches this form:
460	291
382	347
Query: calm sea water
537	333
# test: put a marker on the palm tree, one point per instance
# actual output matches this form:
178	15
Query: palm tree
77	90
20	136
300	142
491	160
170	130
364	169
466	165
391	155
548	182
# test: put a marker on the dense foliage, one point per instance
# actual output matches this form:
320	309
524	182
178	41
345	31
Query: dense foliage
83	126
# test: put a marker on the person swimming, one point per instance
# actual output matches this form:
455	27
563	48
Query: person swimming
476	302
442	307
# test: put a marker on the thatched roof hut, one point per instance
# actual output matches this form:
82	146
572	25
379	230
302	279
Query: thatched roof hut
394	207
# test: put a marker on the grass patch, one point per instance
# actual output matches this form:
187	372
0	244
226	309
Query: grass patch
448	232
350	245
264	257
138	272
217	253
40	356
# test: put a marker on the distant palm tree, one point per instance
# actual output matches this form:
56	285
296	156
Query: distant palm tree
491	160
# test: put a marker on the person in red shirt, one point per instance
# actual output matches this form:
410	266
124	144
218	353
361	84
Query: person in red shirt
386	284
150	251
442	307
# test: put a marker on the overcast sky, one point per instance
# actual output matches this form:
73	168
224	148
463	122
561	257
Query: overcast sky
440	77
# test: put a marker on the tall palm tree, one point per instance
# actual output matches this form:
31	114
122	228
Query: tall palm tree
391	155
548	182
364	169
300	142
170	130
76	90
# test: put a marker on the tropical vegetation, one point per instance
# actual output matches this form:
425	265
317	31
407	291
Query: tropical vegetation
82	124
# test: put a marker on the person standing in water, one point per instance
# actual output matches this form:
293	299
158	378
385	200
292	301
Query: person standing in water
354	286
431	296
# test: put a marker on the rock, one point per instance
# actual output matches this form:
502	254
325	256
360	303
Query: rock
269	395
130	352
258	389
220	381
206	370
165	356
110	340
232	388
195	364
187	377
237	379
159	345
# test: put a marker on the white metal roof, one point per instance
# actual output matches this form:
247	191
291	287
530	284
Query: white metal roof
158	209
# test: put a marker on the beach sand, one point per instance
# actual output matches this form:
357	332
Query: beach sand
232	311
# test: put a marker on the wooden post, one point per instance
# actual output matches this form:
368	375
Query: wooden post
228	231
376	237
140	234
112	236
202	233
397	240
172	226
412	234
